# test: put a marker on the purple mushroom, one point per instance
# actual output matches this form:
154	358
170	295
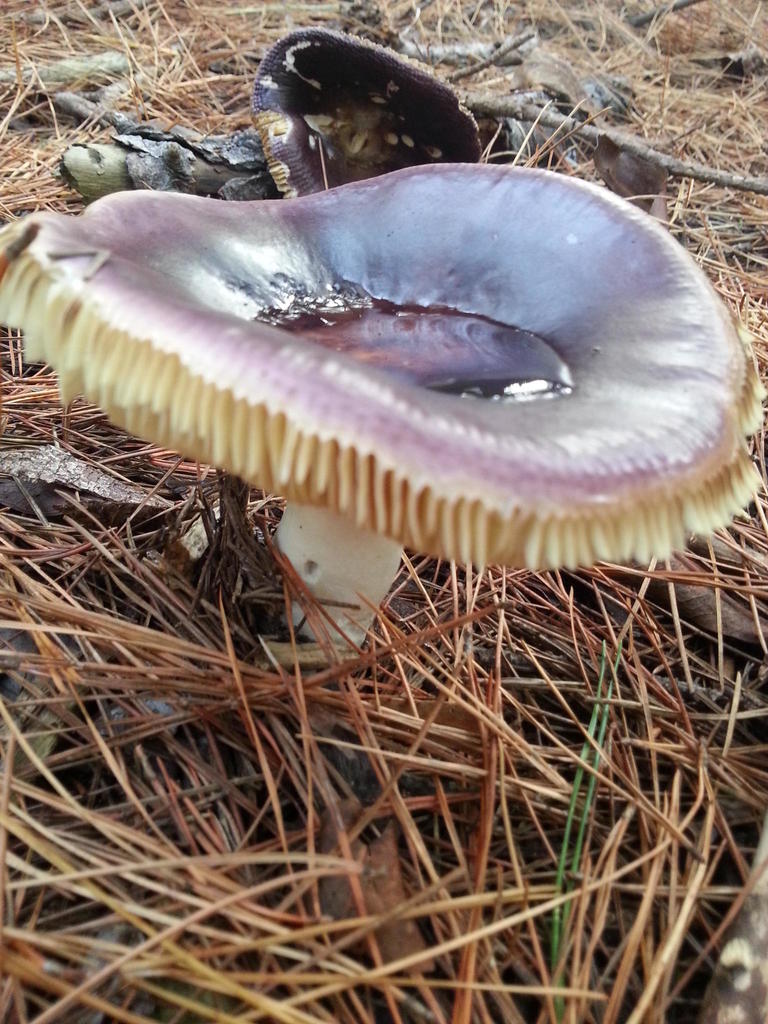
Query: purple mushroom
331	108
492	365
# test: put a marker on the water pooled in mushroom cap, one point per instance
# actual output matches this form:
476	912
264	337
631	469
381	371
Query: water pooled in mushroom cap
439	348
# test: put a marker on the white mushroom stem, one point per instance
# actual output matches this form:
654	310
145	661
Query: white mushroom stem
347	570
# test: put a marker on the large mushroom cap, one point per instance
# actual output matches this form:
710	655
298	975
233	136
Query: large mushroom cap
483	363
332	108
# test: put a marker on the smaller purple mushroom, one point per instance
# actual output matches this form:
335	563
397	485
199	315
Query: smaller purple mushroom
331	108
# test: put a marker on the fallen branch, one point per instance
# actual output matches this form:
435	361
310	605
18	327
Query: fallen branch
641	20
214	149
110	8
504	52
451	53
72	69
523	109
44	475
146	156
81	109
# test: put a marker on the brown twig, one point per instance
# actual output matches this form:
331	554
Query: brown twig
81	109
498	54
512	106
641	20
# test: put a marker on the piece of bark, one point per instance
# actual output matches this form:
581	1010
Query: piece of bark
738	991
44	476
145	155
381	882
227	167
515	138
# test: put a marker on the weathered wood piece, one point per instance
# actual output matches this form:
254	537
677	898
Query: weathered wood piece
72	69
738	991
145	156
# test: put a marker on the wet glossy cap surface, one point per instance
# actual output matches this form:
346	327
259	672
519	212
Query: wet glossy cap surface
179	316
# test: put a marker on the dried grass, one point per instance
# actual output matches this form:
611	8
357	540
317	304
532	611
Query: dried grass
164	782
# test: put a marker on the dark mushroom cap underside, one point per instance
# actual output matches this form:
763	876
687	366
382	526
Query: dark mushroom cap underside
331	108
